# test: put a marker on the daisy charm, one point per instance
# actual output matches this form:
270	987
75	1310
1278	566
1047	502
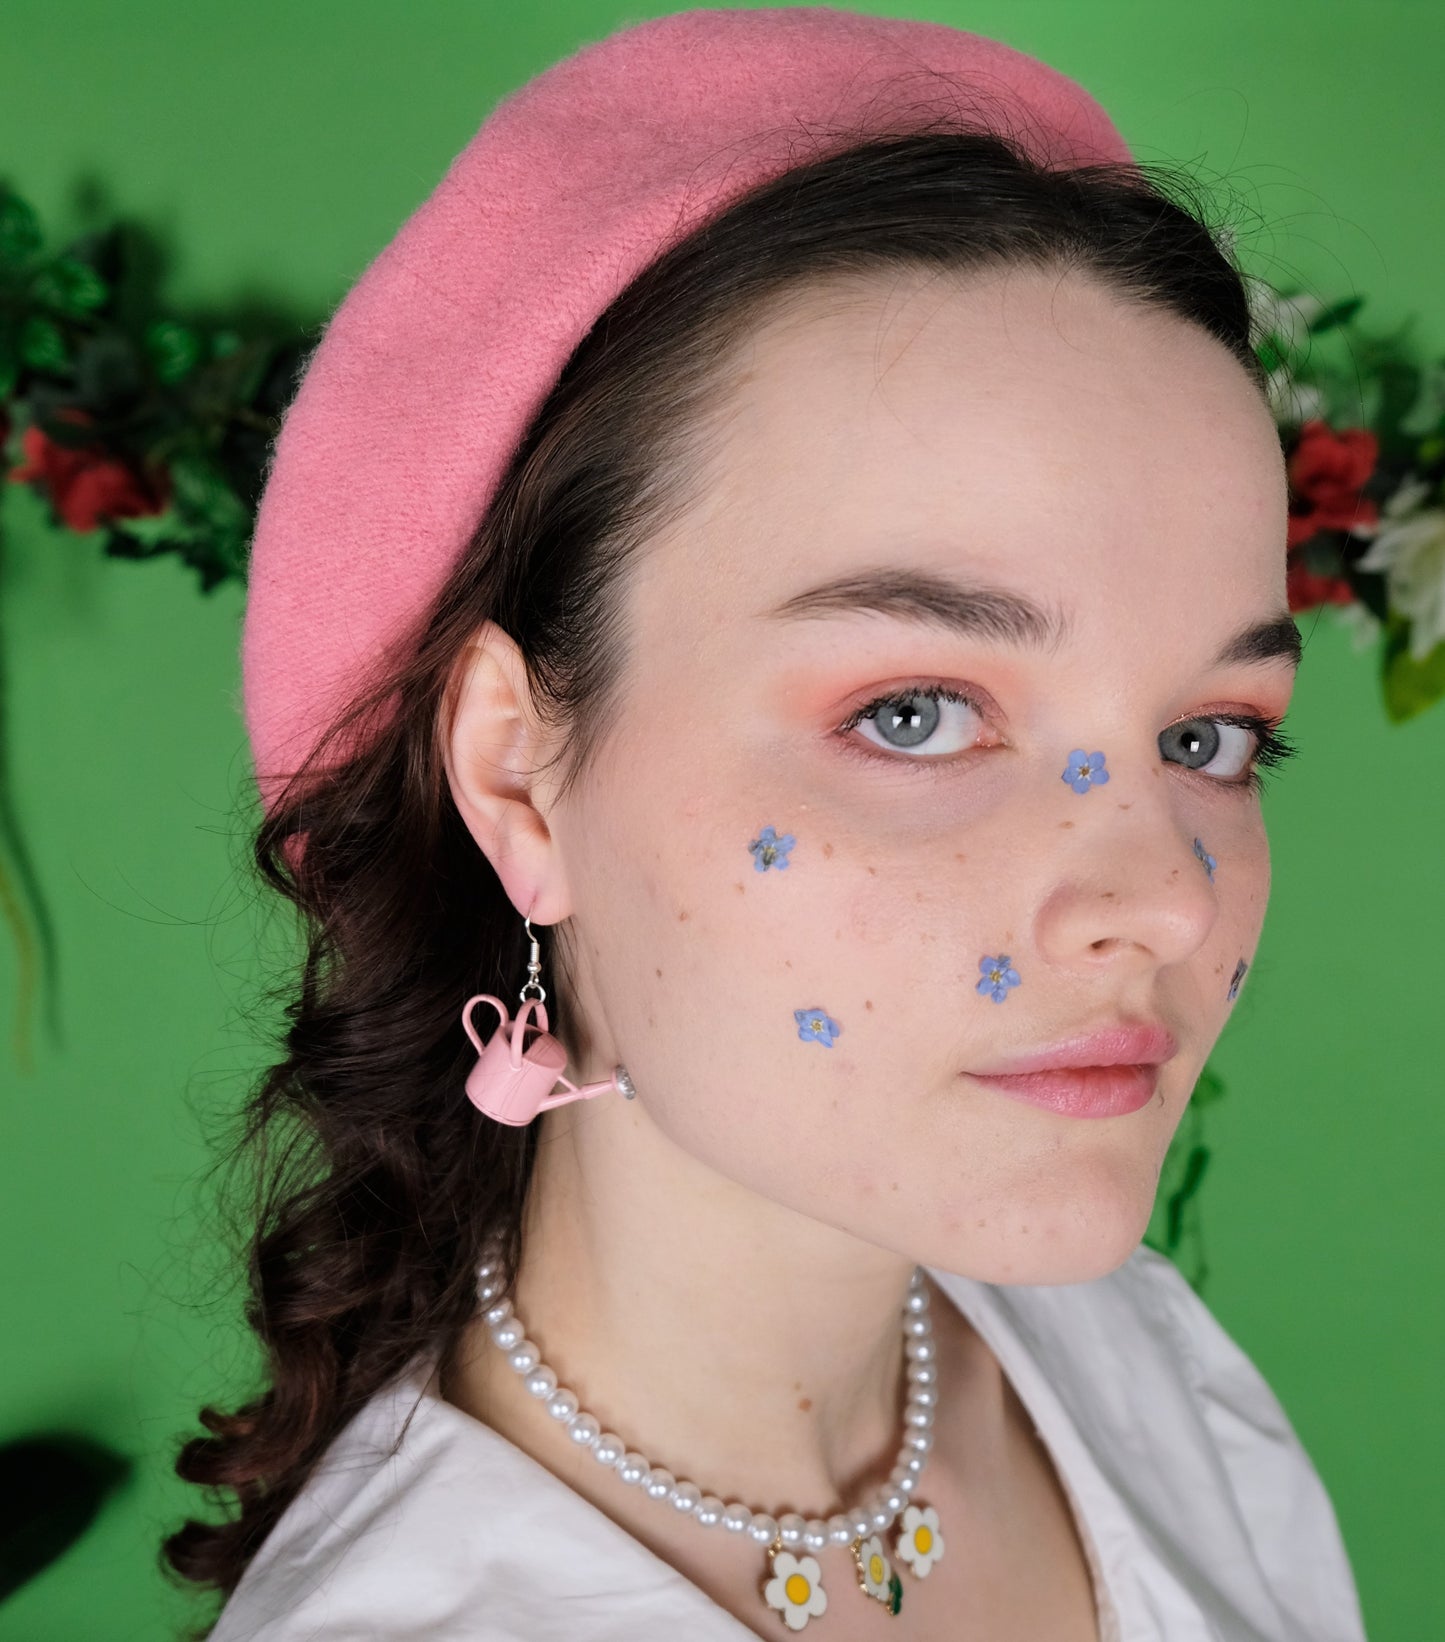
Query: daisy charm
875	1574
919	1542
795	1589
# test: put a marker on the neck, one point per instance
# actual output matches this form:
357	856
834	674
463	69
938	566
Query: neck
749	1349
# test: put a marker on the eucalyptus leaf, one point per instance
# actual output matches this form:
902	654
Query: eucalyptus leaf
174	349
1337	314
69	287
1410	686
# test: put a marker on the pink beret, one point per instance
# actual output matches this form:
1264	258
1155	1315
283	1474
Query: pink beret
435	362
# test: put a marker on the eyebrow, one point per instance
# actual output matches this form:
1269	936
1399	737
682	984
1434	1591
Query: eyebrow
977	610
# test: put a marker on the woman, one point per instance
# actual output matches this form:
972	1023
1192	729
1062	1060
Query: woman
767	624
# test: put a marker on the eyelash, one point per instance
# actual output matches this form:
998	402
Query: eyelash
1272	749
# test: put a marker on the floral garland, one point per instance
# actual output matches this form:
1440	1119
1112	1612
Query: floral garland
156	432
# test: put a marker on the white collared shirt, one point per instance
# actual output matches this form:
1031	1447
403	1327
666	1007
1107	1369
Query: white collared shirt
1202	1517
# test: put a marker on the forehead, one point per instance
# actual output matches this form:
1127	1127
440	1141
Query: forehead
1026	423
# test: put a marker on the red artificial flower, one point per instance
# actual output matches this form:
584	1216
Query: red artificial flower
85	484
1305	588
1327	471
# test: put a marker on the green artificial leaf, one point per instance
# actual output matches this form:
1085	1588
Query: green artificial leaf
42	345
174	349
1208	1087
1410	686
70	287
152	533
1338	313
51	1490
19	232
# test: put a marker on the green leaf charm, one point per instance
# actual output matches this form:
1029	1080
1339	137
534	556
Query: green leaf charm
895	1594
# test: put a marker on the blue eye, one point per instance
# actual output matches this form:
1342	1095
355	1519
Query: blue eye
1232	749
912	719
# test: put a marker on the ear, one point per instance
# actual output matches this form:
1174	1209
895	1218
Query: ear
494	746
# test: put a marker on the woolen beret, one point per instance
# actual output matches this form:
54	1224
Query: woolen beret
433	365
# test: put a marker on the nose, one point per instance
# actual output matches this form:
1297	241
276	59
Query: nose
1130	889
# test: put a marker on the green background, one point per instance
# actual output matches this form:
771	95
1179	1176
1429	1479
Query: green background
277	146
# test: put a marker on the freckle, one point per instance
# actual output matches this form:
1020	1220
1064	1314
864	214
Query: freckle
873	872
918	895
1174	873
1023	1228
805	1404
958	855
797	1385
787	963
893	1187
1066	823
868	1002
1128	806
1111	895
739	888
652	1020
658	973
682	915
980	1223
827	849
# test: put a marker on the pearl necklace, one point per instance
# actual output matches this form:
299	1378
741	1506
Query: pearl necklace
795	1587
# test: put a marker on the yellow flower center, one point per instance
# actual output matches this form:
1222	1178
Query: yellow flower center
923	1540
875	1568
798	1589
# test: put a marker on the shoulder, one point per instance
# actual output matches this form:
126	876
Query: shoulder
1188	1439
421	1524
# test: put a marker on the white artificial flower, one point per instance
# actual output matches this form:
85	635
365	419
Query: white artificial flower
1290	401
920	1544
1408	546
1286	318
875	1569
794	1590
1362	624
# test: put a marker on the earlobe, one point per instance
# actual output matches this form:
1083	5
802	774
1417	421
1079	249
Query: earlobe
493	751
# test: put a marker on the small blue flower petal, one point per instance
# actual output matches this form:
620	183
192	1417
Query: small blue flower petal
816	1026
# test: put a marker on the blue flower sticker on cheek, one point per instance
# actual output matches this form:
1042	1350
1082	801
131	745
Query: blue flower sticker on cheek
1237	977
768	850
998	975
1085	770
816	1026
1209	862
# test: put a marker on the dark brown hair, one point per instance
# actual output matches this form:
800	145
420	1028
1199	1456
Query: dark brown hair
371	1181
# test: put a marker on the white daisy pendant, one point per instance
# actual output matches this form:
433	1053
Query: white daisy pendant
875	1573
796	1588
919	1542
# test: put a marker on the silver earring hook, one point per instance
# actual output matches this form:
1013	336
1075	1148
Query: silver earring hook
532	987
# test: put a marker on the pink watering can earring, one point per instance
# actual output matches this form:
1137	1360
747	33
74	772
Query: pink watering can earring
513	1080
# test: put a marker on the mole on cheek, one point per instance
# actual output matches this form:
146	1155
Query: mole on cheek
1066	823
827	849
682	915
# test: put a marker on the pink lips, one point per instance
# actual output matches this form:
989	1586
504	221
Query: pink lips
1106	1074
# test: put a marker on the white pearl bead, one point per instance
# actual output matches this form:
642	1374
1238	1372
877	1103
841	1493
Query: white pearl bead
541	1382
921	1351
509	1334
685	1497
912	1463
923	1373
918	1280
498	1313
920	1441
488	1268
736	1518
524	1356
895	1499
903	1479
916	1303
790	1530
659	1483
608	1449
632	1468
880	1517
862	1521
584	1430
916	1414
488	1291
763	1529
562	1406
926	1396
815	1535
918	1327
709	1511
840	1530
